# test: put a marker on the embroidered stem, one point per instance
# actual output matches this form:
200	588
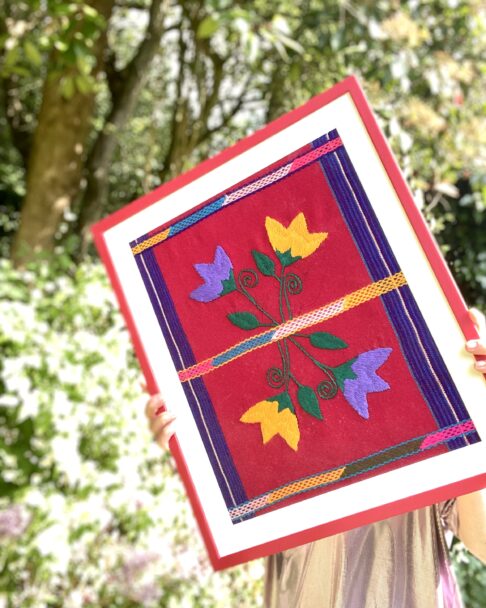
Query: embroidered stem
291	375
280	294
275	377
327	389
283	287
289	284
283	350
320	365
250	278
287	356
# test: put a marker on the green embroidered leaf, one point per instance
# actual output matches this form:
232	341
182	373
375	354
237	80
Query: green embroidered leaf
244	320
309	402
229	284
287	258
322	339
284	401
344	372
264	264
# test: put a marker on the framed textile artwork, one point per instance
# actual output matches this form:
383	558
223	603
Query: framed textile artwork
288	301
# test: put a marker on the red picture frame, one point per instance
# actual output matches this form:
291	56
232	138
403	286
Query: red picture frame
349	87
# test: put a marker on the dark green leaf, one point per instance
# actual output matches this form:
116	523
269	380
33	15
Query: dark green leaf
322	339
229	284
284	401
309	402
344	372
287	258
245	320
264	264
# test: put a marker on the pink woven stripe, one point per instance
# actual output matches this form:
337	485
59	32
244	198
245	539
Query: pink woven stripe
280	173
196	370
249	507
258	184
311	318
311	156
447	434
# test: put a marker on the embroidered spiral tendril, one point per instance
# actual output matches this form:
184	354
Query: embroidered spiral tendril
248	279
275	377
327	389
293	284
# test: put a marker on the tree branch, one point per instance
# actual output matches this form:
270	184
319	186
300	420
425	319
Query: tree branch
99	159
179	108
20	132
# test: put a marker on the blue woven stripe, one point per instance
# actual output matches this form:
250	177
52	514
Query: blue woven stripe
196	217
378	269
173	332
239	349
218	204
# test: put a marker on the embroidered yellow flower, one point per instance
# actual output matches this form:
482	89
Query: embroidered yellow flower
273	422
294	242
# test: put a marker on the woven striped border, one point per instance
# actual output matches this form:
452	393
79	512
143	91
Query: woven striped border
417	344
149	241
360	466
328	311
428	368
197	396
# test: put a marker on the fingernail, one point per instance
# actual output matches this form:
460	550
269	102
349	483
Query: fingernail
472	343
160	410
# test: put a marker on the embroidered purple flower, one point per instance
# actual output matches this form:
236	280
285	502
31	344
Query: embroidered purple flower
217	276
358	377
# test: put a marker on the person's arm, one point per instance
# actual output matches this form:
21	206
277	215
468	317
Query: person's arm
471	508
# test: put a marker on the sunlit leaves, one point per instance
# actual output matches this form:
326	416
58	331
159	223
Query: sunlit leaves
208	26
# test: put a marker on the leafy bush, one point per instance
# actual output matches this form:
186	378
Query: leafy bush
91	512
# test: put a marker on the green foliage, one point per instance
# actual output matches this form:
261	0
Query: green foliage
96	510
66	30
208	26
471	576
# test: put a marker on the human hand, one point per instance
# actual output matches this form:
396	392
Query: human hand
161	422
478	347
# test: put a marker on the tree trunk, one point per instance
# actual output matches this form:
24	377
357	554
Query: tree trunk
56	158
101	155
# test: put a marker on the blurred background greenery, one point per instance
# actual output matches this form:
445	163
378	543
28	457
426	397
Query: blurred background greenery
100	102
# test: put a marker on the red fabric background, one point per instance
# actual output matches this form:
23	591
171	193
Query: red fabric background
334	270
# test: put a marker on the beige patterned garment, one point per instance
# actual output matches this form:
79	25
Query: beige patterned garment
397	563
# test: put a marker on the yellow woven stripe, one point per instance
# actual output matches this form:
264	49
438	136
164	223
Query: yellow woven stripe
153	240
360	296
304	484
